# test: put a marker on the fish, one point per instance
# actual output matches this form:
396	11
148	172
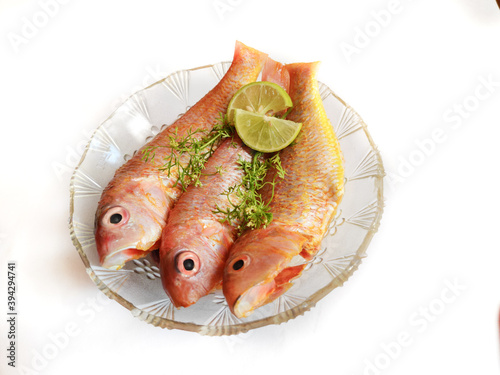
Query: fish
276	72
196	240
303	204
134	206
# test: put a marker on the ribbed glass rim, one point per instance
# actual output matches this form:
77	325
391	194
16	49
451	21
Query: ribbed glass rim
279	318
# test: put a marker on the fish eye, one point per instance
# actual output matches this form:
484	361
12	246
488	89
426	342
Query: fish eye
238	264
187	263
241	262
115	218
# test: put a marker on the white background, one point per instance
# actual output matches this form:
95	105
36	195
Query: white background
421	71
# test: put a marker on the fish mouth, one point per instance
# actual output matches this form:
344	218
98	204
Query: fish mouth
117	259
266	291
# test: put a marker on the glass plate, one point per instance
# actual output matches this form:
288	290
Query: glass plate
138	287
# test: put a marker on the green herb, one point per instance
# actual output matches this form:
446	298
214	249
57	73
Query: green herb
188	158
285	115
251	211
189	155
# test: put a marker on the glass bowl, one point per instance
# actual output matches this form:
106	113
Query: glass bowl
138	287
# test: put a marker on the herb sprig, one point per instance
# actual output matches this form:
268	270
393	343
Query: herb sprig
189	154
250	211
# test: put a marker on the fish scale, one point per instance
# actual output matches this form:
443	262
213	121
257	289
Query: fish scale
303	203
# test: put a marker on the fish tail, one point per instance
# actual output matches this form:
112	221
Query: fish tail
303	70
303	84
244	53
281	74
276	72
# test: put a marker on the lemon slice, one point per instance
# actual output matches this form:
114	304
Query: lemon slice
264	133
263	97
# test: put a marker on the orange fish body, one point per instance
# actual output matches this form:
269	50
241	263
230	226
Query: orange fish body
134	207
303	205
195	242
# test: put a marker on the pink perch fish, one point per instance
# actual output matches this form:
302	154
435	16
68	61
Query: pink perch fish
304	203
134	207
195	242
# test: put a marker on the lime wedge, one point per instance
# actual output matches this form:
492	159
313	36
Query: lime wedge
265	98
264	133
